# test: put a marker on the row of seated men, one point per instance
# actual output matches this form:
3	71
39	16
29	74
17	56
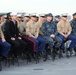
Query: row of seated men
38	30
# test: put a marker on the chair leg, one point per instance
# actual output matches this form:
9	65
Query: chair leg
60	53
53	54
28	57
12	61
71	51
36	57
18	60
9	61
0	63
67	53
45	55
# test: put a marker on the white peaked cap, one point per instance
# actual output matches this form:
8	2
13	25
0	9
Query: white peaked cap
33	14
42	14
64	14
19	15
13	13
5	16
26	14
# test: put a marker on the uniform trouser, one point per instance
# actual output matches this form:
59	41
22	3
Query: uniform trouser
30	44
39	44
4	48
51	41
18	46
70	37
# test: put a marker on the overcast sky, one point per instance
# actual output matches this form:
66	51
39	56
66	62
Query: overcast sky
39	6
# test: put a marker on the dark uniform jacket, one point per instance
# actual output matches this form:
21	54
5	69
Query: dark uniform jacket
73	25
49	28
12	30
